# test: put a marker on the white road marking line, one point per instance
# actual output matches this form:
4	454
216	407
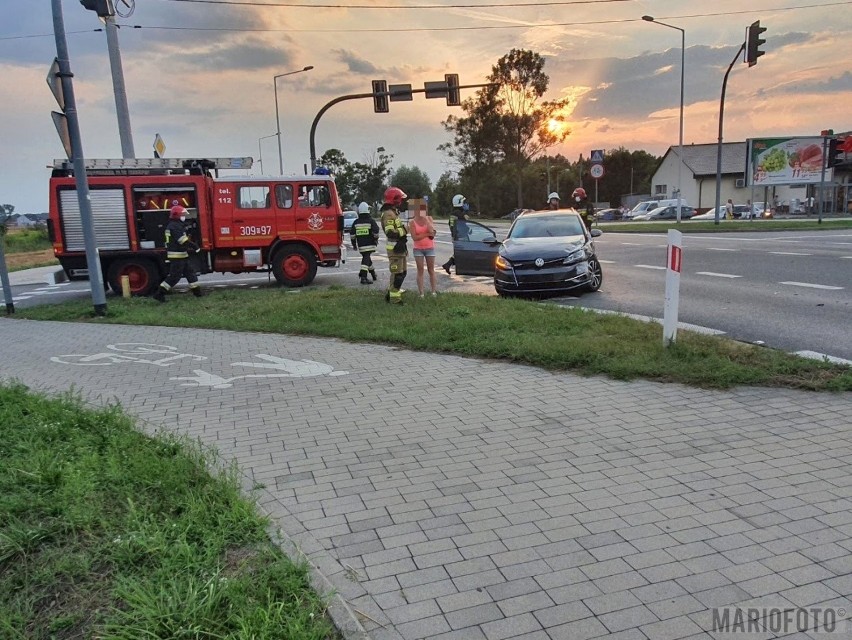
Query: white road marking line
846	257
613	261
648	266
816	355
634	244
788	253
719	249
716	275
812	286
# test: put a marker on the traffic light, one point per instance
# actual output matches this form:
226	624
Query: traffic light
380	102
753	43
453	94
838	148
103	8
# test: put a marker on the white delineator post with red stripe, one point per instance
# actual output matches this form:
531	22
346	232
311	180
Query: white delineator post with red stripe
674	260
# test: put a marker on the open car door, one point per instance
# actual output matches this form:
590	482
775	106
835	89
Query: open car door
475	249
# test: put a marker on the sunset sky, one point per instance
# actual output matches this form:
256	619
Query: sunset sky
200	73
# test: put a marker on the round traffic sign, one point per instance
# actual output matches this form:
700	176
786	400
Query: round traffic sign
597	171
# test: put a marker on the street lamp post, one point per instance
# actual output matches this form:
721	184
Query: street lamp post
277	118
680	139
260	151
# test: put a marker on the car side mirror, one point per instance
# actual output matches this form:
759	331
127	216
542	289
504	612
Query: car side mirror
492	241
596	232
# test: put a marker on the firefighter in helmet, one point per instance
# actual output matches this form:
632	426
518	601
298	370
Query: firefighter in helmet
178	246
397	241
459	213
583	206
553	201
365	234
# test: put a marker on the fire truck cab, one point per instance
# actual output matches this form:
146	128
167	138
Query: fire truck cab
287	225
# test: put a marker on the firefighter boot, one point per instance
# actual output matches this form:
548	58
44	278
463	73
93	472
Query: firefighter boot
364	280
373	275
197	292
159	295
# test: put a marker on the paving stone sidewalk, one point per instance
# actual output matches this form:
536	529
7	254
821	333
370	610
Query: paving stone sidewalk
453	498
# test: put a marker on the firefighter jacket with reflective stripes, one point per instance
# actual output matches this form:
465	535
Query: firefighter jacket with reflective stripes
178	243
365	234
395	231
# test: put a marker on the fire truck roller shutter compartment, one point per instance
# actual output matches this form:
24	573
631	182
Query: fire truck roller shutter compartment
108	215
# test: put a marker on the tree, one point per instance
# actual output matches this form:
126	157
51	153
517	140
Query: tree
413	181
6	211
371	177
627	172
507	121
335	161
442	196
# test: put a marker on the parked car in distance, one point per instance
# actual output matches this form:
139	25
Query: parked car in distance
544	252
764	209
517	212
606	215
710	215
348	218
642	207
666	213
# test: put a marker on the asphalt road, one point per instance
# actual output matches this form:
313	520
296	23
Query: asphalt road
788	290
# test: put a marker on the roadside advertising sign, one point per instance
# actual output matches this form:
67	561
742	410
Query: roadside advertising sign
796	160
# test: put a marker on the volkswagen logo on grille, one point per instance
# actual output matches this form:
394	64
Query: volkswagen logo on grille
539	262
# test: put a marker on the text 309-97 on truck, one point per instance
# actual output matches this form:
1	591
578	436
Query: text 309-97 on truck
288	225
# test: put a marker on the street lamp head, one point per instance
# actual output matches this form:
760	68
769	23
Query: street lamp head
308	68
648	18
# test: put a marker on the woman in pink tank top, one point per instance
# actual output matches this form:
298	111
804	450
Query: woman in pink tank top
421	228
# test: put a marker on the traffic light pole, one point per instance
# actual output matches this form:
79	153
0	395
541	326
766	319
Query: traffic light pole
721	118
357	96
93	262
822	179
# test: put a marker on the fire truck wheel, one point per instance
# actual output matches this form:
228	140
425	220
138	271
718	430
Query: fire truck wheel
142	275
294	266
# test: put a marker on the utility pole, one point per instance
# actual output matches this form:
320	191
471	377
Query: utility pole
69	107
123	113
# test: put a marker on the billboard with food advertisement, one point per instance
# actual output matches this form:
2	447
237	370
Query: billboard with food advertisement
785	161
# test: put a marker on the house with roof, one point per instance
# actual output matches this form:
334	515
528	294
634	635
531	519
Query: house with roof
698	176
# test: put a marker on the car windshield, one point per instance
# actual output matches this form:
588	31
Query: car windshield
547	227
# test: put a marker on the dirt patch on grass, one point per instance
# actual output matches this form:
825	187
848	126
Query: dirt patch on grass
30	259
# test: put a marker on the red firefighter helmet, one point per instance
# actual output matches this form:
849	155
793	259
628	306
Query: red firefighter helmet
394	196
580	193
176	212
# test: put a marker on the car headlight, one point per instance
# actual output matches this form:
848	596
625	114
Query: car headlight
575	256
502	263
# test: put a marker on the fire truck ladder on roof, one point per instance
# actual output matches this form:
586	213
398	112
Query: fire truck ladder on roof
162	164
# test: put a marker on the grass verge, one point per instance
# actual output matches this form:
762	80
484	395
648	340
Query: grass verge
105	532
26	240
727	226
518	331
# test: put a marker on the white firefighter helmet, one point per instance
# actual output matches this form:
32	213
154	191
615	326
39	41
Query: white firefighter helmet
363	208
553	196
458	201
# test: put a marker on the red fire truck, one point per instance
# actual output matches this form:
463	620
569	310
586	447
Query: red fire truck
286	225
